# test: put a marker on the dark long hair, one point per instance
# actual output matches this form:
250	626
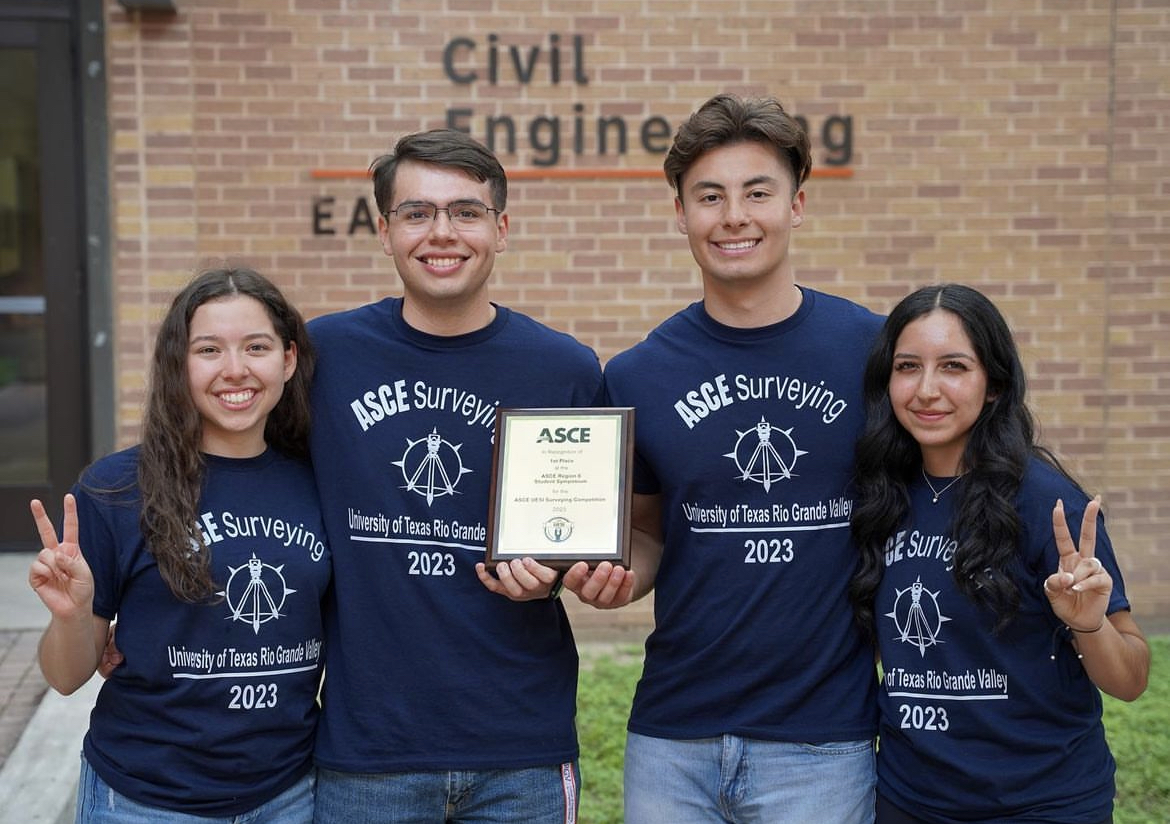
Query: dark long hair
170	464
1001	442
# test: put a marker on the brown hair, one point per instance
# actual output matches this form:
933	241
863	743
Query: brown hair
725	120
445	148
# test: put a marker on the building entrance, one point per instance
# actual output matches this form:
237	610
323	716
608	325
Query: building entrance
44	418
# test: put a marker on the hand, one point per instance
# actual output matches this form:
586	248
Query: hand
59	574
521	579
1079	590
607	587
111	658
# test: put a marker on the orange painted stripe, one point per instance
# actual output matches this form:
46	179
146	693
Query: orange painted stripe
584	174
832	171
566	174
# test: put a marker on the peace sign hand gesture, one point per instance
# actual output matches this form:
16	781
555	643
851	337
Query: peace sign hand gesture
59	574
1079	590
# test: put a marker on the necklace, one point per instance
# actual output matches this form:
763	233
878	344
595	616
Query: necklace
938	492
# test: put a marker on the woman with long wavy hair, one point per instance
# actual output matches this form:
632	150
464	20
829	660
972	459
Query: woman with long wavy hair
986	580
205	542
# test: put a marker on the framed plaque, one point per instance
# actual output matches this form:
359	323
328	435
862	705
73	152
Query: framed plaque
561	486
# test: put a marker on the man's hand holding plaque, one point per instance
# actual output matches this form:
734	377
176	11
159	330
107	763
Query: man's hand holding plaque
560	492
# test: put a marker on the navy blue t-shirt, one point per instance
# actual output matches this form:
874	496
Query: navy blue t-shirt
977	726
748	436
214	709
427	669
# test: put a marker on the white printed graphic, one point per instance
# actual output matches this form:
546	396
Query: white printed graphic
763	457
259	597
918	619
434	469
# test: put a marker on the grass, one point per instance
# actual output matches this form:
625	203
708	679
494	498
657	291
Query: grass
1139	735
605	690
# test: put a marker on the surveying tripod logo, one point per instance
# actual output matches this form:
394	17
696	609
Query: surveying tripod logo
258	596
917	616
431	466
558	529
765	454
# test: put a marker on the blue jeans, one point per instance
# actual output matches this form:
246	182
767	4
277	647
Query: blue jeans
747	781
534	795
98	803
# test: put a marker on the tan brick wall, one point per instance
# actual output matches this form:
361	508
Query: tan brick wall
1016	146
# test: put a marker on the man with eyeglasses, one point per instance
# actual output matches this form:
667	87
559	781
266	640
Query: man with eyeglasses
450	689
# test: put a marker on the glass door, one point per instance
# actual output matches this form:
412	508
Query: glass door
43	419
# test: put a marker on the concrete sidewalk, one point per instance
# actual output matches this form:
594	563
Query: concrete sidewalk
40	731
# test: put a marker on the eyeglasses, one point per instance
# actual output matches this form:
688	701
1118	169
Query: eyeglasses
464	214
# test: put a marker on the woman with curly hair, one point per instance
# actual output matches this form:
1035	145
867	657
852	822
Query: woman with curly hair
205	542
986	580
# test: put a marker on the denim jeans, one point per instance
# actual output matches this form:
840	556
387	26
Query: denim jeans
748	781
534	795
98	803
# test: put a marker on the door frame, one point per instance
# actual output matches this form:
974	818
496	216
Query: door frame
74	193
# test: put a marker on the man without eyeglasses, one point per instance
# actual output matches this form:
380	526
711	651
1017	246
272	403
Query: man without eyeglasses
757	699
450	689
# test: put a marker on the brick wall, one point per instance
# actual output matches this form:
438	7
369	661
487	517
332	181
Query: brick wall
1015	145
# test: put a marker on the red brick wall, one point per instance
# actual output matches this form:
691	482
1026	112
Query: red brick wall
1016	146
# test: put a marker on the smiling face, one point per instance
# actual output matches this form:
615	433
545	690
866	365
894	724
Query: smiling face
444	269
737	207
938	388
236	369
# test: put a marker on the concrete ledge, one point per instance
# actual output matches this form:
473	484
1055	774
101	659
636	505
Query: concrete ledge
39	780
